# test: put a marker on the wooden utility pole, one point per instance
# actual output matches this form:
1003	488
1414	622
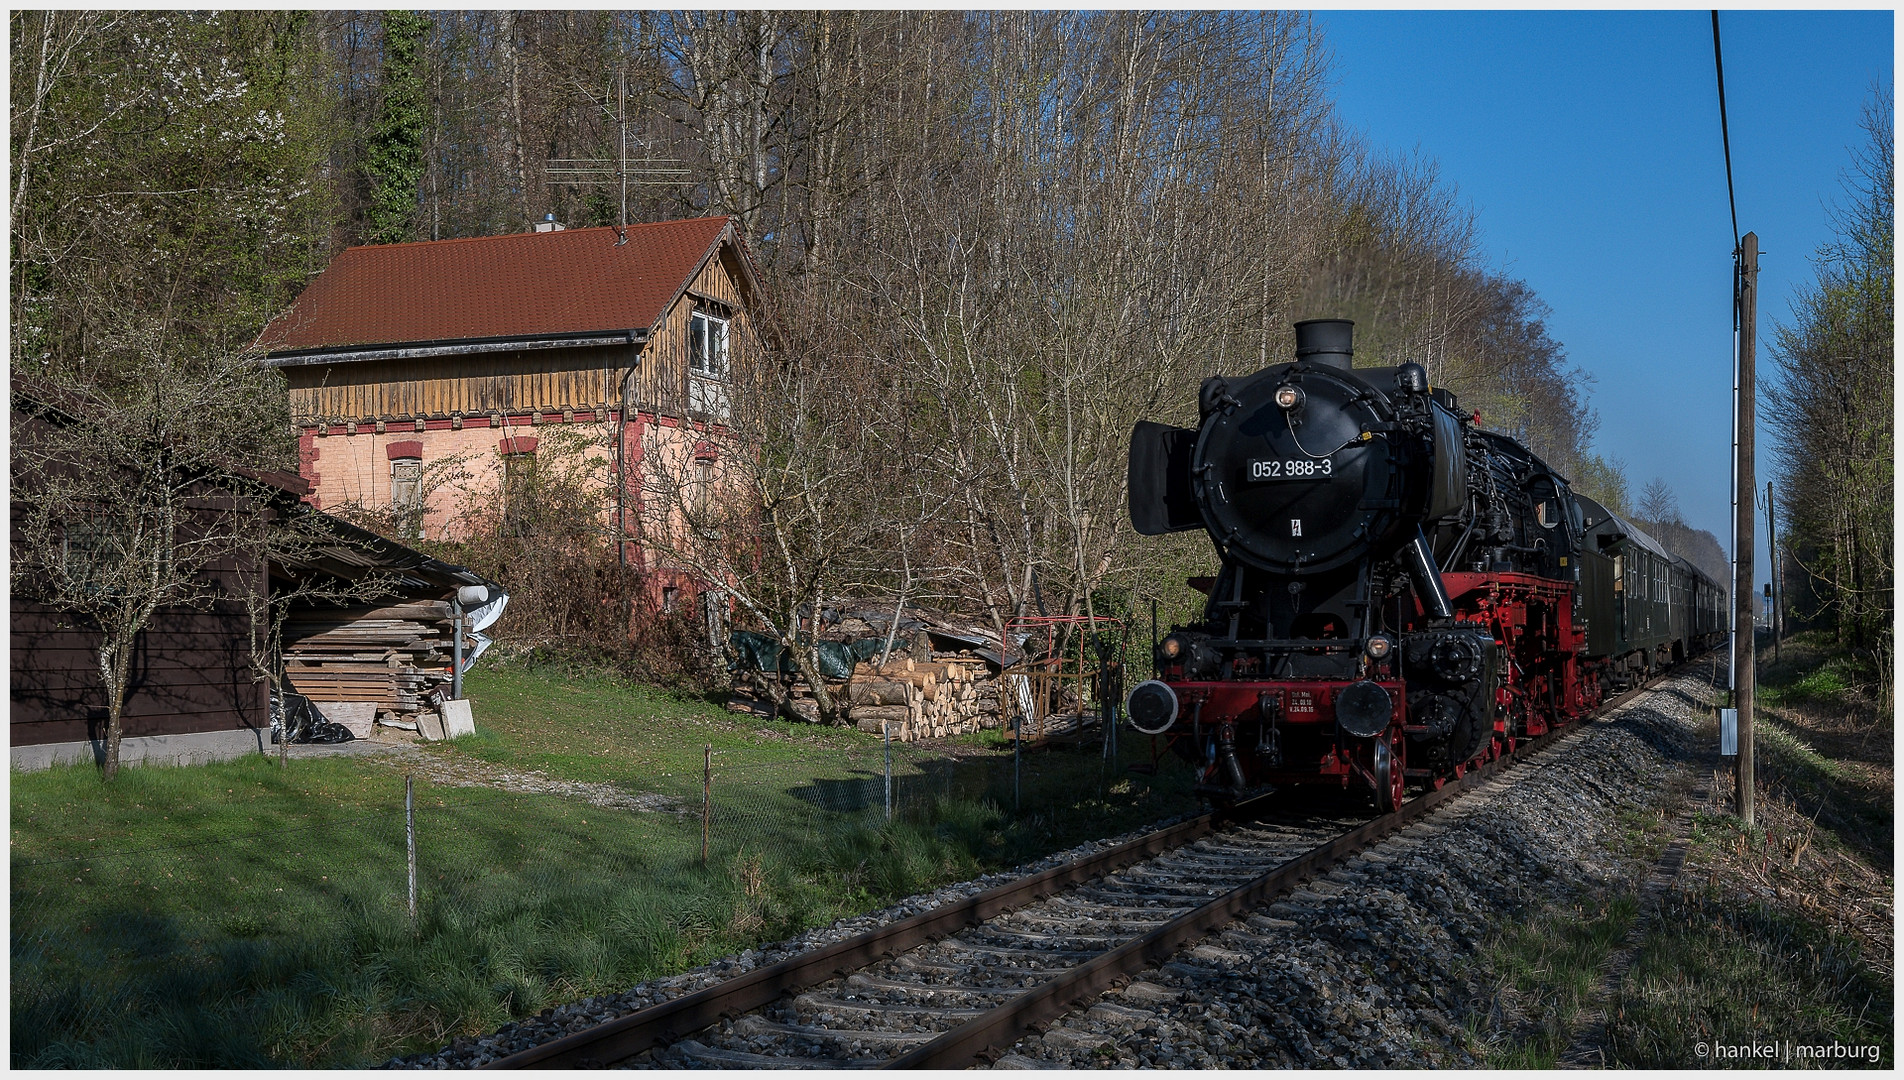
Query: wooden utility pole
1743	594
1777	584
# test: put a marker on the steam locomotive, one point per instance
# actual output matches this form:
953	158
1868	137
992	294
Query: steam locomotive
1402	594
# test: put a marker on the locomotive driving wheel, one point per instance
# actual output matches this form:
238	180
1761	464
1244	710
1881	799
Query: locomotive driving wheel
1391	777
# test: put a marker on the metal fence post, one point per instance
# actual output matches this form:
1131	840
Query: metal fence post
456	649
707	798
409	829
885	727
1018	750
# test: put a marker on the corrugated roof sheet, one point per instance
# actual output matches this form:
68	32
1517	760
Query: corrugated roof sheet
572	281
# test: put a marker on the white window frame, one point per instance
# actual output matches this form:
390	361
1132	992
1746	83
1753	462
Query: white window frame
708	345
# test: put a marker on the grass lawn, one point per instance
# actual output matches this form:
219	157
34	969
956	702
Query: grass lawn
241	915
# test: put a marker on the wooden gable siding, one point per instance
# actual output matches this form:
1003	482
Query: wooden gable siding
661	381
507	382
661	386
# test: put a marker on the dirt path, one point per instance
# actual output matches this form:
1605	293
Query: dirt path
463	772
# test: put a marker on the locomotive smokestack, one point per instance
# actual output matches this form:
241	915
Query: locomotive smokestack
1329	342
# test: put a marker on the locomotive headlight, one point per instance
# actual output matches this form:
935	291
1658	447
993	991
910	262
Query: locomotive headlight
1288	396
1172	647
1378	647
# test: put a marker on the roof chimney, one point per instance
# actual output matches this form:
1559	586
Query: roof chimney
549	224
1328	342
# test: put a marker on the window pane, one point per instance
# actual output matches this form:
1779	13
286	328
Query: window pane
406	480
518	493
707	344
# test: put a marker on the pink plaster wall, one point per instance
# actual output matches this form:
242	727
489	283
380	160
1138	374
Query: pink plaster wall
346	469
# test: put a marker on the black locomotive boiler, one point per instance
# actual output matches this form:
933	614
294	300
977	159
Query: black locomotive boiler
1402	594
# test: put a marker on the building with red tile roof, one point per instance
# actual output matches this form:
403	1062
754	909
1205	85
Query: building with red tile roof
553	284
421	373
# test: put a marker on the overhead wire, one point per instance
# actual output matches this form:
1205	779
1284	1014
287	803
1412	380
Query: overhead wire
1725	139
1725	136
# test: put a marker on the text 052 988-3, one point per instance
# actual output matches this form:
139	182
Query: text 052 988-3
1291	469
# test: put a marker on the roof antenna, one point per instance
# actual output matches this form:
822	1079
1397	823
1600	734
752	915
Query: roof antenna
620	170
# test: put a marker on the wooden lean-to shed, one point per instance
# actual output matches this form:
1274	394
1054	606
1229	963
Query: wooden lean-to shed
193	694
400	356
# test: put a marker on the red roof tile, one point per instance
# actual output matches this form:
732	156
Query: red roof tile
573	281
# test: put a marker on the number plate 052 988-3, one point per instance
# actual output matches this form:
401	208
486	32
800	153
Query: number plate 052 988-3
1291	469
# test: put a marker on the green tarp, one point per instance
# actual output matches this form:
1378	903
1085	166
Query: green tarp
758	652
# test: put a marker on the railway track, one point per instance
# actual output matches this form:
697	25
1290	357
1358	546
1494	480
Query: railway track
946	987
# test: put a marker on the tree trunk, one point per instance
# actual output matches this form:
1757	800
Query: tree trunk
807	659
114	664
284	722
512	72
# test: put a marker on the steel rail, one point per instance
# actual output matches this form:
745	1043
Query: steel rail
1004	1024
675	1019
670	1021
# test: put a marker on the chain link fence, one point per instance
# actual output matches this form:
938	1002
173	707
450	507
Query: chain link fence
273	941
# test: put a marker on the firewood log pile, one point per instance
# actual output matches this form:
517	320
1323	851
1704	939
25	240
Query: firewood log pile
911	700
939	680
906	698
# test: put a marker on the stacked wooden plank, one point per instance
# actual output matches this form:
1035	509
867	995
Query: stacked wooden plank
392	656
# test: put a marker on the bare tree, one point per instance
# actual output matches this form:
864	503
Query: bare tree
779	505
1658	505
1830	407
124	508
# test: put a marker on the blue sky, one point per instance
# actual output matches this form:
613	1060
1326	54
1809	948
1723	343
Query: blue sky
1588	144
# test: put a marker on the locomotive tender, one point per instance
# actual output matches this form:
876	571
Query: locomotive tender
1402	594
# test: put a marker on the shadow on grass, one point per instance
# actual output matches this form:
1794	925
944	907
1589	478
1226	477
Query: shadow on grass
294	947
1725	972
1859	817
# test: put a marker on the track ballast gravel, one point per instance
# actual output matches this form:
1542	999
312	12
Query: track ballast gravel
1359	968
